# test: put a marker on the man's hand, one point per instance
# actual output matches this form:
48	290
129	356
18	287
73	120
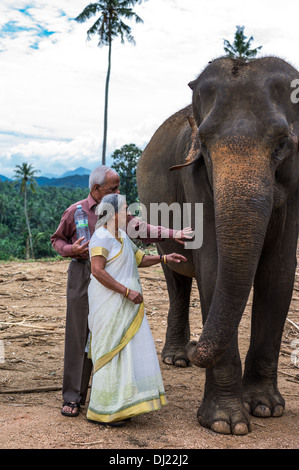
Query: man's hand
78	249
182	235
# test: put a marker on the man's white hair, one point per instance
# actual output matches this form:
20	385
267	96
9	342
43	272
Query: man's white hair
98	175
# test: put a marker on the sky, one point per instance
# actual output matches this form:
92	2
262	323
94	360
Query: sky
52	79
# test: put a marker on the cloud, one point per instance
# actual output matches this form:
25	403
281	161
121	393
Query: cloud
52	79
25	25
56	155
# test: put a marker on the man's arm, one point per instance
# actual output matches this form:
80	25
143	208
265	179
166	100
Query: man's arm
63	239
151	233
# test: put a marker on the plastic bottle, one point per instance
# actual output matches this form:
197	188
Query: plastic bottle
81	221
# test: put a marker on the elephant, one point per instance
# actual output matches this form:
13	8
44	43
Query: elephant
234	150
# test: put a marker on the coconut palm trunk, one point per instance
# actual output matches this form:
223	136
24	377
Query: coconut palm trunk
108	26
28	224
106	105
24	174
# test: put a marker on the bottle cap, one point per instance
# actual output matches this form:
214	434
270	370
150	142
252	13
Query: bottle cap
79	206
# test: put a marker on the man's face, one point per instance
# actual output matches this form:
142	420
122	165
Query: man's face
110	186
122	216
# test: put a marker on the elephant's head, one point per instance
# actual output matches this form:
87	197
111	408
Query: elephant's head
246	129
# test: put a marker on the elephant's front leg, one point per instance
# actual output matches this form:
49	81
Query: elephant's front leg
178	329
272	295
222	409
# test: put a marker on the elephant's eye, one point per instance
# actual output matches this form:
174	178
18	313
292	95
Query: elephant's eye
282	149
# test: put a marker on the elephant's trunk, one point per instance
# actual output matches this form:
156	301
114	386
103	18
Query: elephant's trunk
243	196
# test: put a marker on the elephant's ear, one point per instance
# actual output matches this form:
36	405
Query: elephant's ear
194	152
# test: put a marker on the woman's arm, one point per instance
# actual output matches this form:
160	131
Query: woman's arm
98	264
150	260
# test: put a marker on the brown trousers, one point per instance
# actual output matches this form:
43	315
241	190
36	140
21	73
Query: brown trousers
77	366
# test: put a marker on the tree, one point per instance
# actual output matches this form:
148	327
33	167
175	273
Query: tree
240	47
44	207
24	174
108	26
125	164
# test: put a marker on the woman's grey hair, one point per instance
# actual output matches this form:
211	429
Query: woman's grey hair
98	175
108	207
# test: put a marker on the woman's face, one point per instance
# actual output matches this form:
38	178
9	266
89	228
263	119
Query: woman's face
122	216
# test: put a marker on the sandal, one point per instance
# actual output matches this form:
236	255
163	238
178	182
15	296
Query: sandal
72	406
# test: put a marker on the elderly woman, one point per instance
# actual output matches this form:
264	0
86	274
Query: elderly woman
126	378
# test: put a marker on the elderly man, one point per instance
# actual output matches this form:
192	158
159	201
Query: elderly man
77	366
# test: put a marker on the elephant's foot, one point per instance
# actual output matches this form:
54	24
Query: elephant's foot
190	349
175	357
231	418
263	403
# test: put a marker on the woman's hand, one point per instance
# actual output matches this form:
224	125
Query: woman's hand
135	297
175	258
150	260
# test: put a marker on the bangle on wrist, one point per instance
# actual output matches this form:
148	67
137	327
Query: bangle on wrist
127	293
165	259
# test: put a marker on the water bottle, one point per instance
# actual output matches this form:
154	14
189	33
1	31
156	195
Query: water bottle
81	221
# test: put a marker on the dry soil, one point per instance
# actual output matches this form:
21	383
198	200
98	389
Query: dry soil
32	321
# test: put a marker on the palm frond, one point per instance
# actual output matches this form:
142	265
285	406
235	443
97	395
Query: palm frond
88	12
95	28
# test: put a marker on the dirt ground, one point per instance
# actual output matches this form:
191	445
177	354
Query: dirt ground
32	320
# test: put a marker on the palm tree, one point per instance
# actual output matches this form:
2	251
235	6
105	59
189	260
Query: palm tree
24	174
108	26
240	48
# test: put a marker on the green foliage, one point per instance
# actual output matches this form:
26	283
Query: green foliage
109	24
125	164
240	47
24	174
45	207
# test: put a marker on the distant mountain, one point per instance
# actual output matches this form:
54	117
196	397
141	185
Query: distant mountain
4	178
77	171
73	181
78	178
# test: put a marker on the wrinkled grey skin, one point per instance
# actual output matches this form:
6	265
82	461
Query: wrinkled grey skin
245	171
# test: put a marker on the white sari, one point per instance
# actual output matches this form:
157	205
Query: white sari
126	379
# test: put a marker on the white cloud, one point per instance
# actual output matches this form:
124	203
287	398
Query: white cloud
52	97
54	155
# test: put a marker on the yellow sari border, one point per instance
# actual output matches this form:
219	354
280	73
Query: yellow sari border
119	253
138	256
99	251
145	407
131	331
